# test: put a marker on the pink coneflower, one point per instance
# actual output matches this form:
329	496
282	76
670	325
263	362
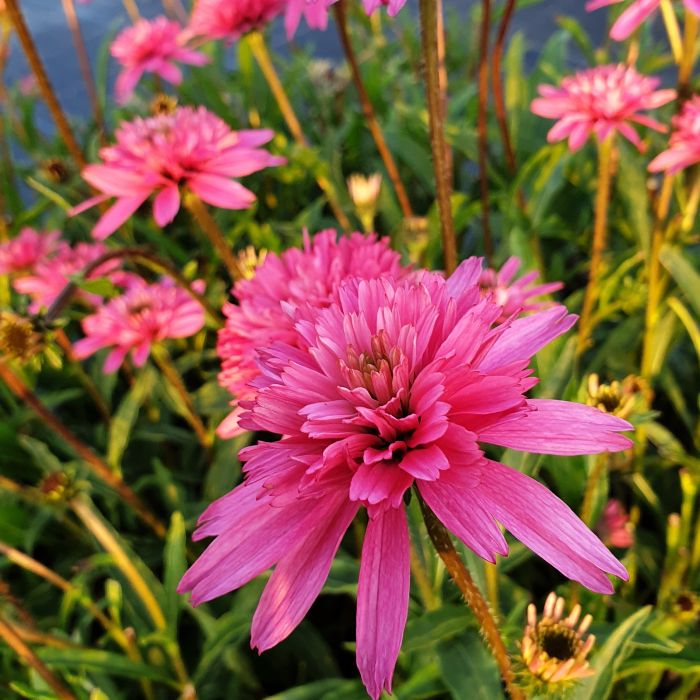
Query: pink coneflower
315	12
397	385
515	296
151	46
231	19
600	101
20	254
145	314
189	148
294	278
634	14
614	527
393	6
51	274
684	144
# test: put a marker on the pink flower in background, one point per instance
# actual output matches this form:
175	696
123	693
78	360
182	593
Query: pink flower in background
20	254
600	101
151	46
189	148
51	274
28	85
231	19
684	144
396	385
393	6
143	315
515	296
614	526
634	14
315	12
264	313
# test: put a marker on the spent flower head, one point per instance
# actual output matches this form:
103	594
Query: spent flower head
555	648
297	277
145	314
151	46
601	101
395	385
19	338
684	144
190	149
634	14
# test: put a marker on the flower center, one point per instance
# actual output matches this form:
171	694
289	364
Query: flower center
557	641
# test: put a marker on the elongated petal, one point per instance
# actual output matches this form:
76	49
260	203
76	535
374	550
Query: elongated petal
559	428
166	205
300	575
116	215
456	503
221	192
545	524
382	599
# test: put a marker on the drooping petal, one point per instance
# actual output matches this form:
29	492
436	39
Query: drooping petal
545	524
166	205
221	192
299	575
116	215
382	599
559	428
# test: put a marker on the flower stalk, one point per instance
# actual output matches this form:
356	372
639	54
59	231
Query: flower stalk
15	642
258	47
443	184
165	364
340	10
600	234
84	63
469	590
482	124
96	464
47	92
211	230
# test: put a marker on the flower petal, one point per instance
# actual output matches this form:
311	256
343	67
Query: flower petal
166	205
382	599
300	575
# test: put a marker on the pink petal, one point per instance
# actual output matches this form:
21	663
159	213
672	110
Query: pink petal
166	205
221	192
631	18
375	483
425	463
545	524
382	599
114	360
300	575
116	215
526	336
456	504
559	428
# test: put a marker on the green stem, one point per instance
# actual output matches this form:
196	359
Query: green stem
600	231
443	184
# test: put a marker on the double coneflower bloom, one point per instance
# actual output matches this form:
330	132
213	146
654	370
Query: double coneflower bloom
397	384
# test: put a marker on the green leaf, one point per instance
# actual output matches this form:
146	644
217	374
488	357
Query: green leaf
125	416
435	626
468	668
107	662
610	658
331	689
683	273
175	563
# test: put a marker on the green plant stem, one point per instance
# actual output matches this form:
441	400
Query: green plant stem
47	92
422	581
96	464
13	640
443	184
482	124
211	230
685	67
258	47
469	590
668	15
600	230
340	10
654	281
132	9
165	364
594	476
